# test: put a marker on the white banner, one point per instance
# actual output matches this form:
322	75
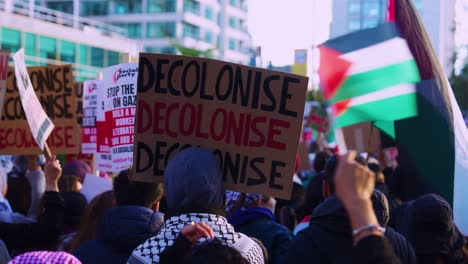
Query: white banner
90	105
38	121
120	84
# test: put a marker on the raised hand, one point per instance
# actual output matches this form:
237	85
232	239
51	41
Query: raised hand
195	231
53	171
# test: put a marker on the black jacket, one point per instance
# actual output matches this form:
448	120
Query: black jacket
122	229
374	249
328	238
37	235
260	223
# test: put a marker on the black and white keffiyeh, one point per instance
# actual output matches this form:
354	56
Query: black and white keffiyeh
149	251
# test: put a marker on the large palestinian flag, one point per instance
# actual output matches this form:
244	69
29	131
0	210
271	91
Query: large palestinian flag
369	75
433	151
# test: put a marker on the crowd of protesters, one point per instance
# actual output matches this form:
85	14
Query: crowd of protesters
342	210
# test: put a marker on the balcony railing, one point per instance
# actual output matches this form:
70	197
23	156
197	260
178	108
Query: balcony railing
46	14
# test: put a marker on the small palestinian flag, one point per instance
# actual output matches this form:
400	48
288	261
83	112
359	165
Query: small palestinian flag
318	119
369	75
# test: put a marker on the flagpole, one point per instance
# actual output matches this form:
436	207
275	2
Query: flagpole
339	136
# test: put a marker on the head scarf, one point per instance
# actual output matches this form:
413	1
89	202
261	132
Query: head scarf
45	257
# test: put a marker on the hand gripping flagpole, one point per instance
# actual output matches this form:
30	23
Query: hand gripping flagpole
339	136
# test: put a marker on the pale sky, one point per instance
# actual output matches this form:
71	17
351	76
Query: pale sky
281	26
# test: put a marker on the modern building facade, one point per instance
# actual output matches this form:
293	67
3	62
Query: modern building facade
50	37
218	26
437	15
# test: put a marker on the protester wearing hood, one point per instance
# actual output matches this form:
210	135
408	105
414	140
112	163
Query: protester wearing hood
427	223
194	193
127	225
49	224
253	215
329	231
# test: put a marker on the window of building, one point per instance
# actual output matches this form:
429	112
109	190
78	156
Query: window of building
97	57
232	44
83	55
234	3
165	50
354	24
191	31
209	13
47	48
93	8
113	58
30	47
161	6
67	51
127	6
232	22
62	6
354	8
133	29
372	8
160	29
220	20
242	25
208	36
11	39
192	6
370	22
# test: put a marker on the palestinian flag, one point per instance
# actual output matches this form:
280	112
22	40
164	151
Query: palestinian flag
318	119
369	75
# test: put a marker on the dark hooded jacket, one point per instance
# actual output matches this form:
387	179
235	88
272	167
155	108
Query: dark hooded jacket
260	223
194	192
328	238
428	224
121	230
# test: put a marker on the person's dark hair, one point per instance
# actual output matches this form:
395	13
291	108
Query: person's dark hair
313	195
214	251
330	169
286	210
92	217
19	192
75	204
129	192
69	183
320	160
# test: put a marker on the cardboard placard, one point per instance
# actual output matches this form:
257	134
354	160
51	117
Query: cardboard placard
250	118
90	104
39	123
120	86
357	137
4	57
54	88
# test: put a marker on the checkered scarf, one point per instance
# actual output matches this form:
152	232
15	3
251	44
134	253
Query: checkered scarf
149	251
45	257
